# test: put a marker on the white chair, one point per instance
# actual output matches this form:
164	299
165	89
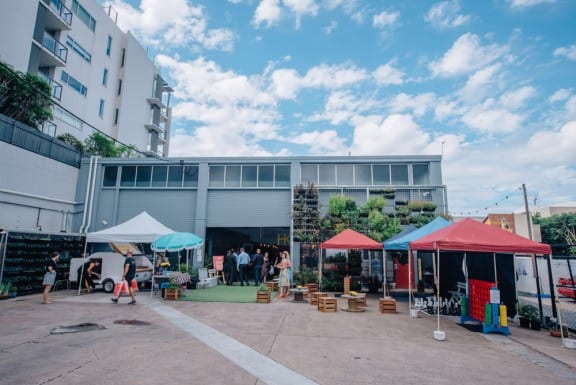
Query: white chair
205	280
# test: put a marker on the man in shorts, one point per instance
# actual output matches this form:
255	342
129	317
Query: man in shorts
128	275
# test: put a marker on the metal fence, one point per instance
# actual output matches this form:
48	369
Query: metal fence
31	139
546	281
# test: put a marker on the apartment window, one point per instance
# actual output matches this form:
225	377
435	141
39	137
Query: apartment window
110	175
249	176
143	176
265	176
73	83
363	174
309	173
327	174
109	45
159	175
119	86
217	176
128	176
282	176
175	175
345	175
381	174
116	114
68	118
420	174
190	176
123	57
233	175
83	15
101	108
399	173
105	77
78	49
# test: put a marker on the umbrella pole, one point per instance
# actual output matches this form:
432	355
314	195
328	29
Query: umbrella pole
495	270
410	255
438	290
153	274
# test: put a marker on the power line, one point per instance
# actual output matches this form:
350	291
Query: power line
484	210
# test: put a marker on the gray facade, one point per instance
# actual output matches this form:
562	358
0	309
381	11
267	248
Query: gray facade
242	200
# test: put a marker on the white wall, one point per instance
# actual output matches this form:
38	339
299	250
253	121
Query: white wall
17	21
34	190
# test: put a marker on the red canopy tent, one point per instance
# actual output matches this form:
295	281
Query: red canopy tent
474	236
349	239
471	235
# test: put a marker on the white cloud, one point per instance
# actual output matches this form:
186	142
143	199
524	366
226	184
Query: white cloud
321	142
467	54
553	147
385	19
528	3
480	83
386	74
286	83
396	134
446	15
268	12
516	99
569	52
491	118
343	106
561	94
330	27
417	104
171	23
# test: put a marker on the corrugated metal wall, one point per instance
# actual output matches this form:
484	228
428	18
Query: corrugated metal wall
248	208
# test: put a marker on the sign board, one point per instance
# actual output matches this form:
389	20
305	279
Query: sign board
218	261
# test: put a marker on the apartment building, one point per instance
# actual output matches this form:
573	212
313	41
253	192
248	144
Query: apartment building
101	78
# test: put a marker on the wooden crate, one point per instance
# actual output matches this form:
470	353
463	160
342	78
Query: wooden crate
272	286
314	297
171	294
312	288
327	304
361	300
387	305
263	296
346	285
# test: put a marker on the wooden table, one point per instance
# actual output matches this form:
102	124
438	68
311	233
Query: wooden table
353	303
299	293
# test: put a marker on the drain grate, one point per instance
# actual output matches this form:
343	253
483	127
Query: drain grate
83	327
134	322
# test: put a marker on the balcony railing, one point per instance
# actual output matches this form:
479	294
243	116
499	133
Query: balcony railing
55	47
61	10
55	87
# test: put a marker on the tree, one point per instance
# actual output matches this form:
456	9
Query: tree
559	230
71	140
24	97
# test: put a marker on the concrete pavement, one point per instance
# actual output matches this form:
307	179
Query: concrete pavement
278	343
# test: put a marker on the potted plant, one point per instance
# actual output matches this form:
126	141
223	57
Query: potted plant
529	316
172	292
6	290
263	294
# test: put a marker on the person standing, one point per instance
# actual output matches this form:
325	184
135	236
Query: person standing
265	267
257	261
50	276
230	267
242	260
128	275
285	275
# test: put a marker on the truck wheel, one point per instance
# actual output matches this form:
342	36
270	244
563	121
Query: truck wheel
108	286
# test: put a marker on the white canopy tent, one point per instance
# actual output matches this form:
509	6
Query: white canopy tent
143	228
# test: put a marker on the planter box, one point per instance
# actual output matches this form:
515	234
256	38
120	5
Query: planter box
263	296
171	294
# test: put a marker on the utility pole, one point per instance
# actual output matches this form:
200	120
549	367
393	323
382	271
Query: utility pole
528	219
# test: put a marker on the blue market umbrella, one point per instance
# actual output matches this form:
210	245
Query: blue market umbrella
174	242
177	242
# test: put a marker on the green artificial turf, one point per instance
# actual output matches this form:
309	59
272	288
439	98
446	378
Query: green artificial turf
223	293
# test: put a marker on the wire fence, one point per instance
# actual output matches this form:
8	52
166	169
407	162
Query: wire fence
549	285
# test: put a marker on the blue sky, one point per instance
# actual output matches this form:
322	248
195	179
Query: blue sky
490	85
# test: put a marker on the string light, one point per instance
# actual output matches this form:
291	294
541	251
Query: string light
469	212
